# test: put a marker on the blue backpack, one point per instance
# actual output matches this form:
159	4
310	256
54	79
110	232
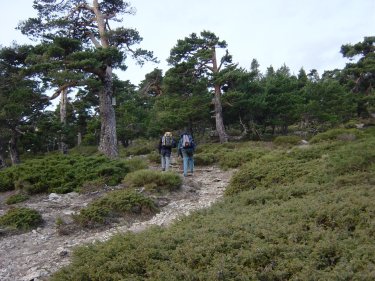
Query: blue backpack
187	141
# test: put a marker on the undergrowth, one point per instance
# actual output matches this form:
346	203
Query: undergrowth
153	181
21	219
300	213
121	203
299	232
65	173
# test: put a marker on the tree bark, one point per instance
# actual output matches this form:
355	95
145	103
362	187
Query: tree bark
63	104
3	164
79	138
13	150
108	135
223	137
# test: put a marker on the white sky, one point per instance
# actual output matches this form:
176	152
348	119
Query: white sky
299	33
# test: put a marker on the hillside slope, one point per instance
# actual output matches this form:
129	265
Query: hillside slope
35	255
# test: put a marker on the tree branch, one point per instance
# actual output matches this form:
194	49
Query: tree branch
60	89
93	39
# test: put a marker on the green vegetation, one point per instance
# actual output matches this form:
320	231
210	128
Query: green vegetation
337	134
65	173
305	213
22	219
120	203
287	140
228	155
290	212
16	198
140	147
153	181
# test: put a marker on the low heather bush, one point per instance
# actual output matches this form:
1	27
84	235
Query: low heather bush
22	219
153	180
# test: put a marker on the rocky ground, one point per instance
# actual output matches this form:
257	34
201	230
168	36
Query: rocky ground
37	254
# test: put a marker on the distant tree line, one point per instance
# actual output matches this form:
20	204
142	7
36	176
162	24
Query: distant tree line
203	90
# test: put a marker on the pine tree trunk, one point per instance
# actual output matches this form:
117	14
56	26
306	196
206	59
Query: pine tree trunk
108	136
3	164
13	150
79	138
63	103
223	137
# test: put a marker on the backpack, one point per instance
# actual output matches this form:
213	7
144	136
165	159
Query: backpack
187	141
167	140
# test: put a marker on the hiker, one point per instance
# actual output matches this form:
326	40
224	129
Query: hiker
186	148
166	144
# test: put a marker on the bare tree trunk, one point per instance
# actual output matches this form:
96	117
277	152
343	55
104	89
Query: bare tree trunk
79	138
3	164
223	137
108	136
63	104
13	150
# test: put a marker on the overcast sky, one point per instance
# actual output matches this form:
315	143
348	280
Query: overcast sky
299	33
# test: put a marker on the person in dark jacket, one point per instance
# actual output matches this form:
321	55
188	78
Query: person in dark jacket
166	143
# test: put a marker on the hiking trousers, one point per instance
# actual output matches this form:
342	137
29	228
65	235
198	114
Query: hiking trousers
188	161
165	159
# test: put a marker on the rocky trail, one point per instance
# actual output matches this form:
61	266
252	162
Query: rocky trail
37	254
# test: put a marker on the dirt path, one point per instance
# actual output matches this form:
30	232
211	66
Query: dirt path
37	254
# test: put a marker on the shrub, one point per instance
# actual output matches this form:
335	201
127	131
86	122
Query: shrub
337	134
7	178
153	180
154	157
140	147
205	159
136	163
287	140
228	155
21	219
84	150
297	224
65	173
236	158
354	157
120	203
268	172
16	198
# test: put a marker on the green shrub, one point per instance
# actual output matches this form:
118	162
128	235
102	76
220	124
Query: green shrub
22	219
7	178
205	159
16	198
287	140
136	163
153	180
120	203
337	134
236	158
65	173
140	147
154	157
297	233
354	157
299	223
270	171
228	155
84	150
